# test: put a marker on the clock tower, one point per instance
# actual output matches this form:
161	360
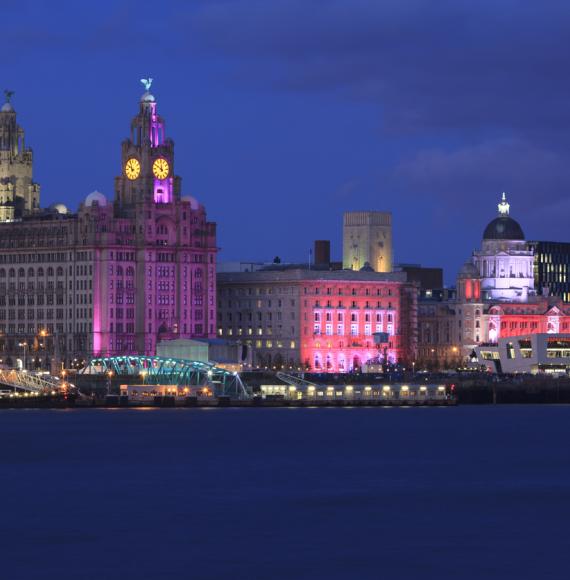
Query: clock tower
147	159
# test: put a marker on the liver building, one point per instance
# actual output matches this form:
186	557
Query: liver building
113	278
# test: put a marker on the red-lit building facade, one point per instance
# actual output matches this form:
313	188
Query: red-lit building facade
495	297
319	320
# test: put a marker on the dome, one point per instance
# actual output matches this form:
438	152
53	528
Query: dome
147	98
194	204
503	228
95	197
59	208
7	108
468	270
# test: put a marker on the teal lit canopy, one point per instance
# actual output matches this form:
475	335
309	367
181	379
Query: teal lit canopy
155	370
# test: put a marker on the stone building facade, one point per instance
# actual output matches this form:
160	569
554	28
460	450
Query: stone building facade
438	334
495	297
19	195
117	276
367	241
318	320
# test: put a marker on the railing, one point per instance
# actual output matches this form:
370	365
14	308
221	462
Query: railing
28	382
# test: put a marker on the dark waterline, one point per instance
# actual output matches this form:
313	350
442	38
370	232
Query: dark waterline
467	492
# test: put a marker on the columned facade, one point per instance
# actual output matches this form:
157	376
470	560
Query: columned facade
115	277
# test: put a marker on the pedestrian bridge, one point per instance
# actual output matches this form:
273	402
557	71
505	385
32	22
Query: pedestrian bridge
25	381
156	370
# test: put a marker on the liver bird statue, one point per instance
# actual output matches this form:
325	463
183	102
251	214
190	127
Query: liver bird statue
147	83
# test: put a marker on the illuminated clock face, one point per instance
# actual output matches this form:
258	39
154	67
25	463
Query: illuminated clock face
160	168
132	168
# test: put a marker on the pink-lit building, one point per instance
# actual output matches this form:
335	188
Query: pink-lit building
496	298
118	275
320	320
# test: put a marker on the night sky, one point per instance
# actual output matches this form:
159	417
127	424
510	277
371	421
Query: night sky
286	113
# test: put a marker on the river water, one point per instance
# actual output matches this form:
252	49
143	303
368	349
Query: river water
462	493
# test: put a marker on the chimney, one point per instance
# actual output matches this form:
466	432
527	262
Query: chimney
322	254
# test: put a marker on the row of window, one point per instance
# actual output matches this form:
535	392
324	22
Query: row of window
40	313
318	317
258	291
353	292
354	329
260	316
353	304
249	331
249	303
33	258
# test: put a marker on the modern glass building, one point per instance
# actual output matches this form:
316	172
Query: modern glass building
551	268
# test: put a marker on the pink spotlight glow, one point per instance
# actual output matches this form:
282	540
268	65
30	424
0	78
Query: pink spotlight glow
163	190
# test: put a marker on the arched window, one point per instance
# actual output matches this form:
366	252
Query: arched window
50	271
40	271
2	273
31	272
130	271
119	270
21	272
60	271
318	361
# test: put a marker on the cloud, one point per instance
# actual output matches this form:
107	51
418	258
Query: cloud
494	166
484	65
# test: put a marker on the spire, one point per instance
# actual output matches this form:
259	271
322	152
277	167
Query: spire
504	206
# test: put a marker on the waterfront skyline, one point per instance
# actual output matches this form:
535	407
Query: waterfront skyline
295	115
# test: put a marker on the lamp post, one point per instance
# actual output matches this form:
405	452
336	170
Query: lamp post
24	345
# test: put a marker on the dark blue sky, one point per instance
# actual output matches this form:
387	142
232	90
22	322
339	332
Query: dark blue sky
286	113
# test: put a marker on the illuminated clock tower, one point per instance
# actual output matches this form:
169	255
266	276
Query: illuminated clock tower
147	161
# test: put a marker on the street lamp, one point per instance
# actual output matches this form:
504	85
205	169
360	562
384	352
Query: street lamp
24	345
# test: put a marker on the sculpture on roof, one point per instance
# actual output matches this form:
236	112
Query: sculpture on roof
147	83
